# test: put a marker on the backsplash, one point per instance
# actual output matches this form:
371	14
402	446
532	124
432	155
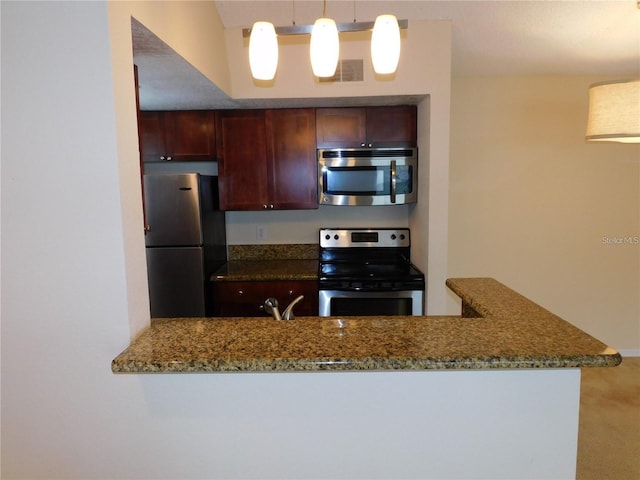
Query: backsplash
293	251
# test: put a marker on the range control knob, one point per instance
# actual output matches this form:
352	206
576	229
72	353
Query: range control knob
402	236
327	236
393	236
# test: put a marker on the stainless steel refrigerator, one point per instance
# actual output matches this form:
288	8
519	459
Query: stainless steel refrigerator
185	242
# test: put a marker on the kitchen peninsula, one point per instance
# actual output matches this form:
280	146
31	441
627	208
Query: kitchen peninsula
498	329
493	393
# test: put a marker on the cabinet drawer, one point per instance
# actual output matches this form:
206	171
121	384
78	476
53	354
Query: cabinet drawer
246	299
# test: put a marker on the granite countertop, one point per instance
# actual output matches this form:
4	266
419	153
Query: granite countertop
266	270
499	328
248	263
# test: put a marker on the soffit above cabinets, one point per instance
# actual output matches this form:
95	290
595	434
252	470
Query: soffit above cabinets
490	38
168	82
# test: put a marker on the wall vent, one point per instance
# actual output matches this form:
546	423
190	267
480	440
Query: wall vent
347	71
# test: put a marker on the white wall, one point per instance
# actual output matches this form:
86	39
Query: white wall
301	226
73	282
65	305
530	202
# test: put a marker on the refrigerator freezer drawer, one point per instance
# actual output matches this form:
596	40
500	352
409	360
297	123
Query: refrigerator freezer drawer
176	282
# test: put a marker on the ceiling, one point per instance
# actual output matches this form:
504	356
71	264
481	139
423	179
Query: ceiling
490	38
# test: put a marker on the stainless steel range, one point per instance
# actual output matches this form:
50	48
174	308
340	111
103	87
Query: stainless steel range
367	271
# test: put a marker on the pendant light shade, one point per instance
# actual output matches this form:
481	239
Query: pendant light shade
614	112
263	51
325	47
385	44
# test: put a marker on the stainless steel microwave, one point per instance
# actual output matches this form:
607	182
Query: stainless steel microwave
359	177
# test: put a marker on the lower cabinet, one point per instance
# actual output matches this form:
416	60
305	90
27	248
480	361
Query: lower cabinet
246	299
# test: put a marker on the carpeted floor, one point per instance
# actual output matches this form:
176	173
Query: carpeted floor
609	432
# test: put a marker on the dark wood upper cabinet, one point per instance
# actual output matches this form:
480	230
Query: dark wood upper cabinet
353	127
180	136
153	143
242	167
291	158
341	127
267	159
392	126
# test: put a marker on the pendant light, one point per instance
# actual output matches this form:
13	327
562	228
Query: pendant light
385	44
325	46
614	112
263	51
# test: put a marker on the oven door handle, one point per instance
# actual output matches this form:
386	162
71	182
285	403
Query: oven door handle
392	193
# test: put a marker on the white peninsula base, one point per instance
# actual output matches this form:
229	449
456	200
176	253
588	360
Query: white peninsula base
469	425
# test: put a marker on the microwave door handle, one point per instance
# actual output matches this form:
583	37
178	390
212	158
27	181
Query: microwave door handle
393	182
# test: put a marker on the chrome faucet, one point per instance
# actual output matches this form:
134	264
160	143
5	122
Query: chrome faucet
271	306
288	312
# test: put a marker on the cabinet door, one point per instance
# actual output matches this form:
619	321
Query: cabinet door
308	306
246	299
191	135
187	135
340	127
394	126
242	170
291	158
153	139
239	299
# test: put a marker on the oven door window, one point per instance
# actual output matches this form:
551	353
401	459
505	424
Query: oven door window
343	306
346	302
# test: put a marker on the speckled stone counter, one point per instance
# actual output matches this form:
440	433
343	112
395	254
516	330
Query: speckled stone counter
265	270
511	332
249	263
276	251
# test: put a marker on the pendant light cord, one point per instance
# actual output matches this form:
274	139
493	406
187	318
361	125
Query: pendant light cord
324	9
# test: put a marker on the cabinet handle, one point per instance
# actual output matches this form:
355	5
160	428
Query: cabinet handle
240	292
169	159
271	206
162	157
291	293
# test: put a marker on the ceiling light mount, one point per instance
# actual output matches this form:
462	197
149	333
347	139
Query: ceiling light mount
342	27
